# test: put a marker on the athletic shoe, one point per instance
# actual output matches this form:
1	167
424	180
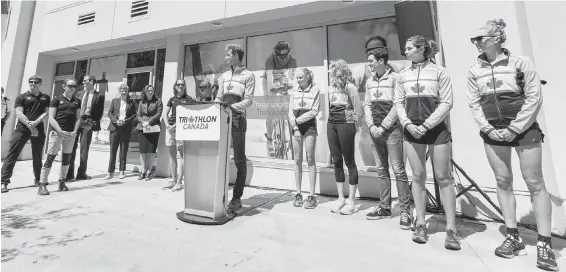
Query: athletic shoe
421	234
349	208
235	204
405	221
311	202
298	200
511	247
338	204
378	213
452	241
545	257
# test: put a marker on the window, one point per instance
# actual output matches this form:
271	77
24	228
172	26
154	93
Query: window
140	9
269	134
65	68
141	59
80	73
205	62
86	19
347	42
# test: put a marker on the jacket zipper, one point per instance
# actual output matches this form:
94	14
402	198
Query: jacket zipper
418	94
495	95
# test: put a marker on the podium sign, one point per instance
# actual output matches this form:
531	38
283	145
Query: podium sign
205	129
200	122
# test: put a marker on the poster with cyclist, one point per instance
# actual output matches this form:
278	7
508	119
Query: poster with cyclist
278	77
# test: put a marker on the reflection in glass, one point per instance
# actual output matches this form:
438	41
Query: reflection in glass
274	59
347	42
65	68
141	59
80	72
205	62
160	72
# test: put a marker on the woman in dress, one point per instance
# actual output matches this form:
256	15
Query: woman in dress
149	113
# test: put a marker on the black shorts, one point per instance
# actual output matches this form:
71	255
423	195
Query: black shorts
306	128
435	136
533	135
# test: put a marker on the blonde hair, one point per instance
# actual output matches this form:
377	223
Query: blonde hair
340	74
308	73
495	27
123	87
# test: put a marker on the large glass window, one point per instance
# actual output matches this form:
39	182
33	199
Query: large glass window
205	62
80	72
65	68
141	59
109	72
347	41
273	59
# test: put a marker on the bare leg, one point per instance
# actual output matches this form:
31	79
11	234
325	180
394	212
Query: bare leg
441	158
416	153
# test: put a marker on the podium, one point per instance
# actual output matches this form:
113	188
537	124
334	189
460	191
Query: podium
205	128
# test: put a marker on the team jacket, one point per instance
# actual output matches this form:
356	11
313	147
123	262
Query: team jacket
378	106
423	95
304	106
344	105
236	88
495	97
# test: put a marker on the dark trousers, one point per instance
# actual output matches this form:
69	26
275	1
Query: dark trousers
119	138
341	142
17	143
84	135
239	127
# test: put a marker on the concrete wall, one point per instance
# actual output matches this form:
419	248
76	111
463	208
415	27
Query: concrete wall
113	18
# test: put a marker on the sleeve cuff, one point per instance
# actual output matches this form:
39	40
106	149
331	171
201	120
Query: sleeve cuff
512	131
426	126
405	125
489	131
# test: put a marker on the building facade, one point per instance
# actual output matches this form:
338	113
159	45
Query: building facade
157	42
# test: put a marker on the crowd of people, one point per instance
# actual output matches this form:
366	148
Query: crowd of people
405	112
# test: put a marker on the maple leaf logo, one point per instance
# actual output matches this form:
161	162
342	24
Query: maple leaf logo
417	89
498	83
378	94
303	104
191	119
334	98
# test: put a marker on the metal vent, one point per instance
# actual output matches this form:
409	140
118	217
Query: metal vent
86	18
139	8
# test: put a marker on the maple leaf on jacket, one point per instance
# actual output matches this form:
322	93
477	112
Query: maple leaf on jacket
417	88
302	104
498	83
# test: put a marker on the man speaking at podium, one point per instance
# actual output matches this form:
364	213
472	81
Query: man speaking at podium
236	88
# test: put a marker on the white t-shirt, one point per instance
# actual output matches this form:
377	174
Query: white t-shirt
123	106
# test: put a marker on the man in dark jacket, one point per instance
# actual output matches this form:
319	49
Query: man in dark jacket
92	108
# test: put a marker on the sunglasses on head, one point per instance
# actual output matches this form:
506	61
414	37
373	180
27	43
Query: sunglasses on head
480	38
373	48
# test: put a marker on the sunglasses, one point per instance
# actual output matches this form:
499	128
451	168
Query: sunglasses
34	82
202	87
279	54
72	86
181	84
480	38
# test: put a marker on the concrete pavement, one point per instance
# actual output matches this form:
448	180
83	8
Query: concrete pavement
130	225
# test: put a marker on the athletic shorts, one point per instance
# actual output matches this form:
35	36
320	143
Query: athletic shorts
533	135
435	136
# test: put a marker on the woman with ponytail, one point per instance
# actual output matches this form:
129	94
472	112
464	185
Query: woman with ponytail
303	108
504	94
423	100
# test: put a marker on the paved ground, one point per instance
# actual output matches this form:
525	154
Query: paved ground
128	225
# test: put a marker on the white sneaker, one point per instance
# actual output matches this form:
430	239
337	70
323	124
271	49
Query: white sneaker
338	204
109	176
349	208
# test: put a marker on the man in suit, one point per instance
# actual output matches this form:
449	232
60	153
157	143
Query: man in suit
92	108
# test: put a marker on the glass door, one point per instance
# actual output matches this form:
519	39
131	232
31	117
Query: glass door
137	79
